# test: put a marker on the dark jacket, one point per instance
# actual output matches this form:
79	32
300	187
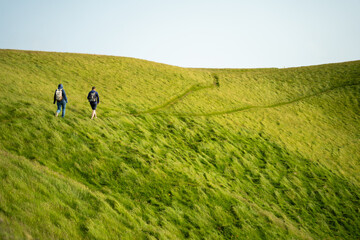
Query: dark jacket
96	95
63	94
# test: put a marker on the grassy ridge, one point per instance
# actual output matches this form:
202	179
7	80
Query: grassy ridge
143	171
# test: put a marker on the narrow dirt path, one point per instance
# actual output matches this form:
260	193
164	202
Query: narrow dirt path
235	110
172	101
197	87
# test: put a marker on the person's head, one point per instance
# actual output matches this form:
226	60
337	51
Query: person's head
93	88
60	86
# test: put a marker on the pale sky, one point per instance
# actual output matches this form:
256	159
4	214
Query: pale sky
189	33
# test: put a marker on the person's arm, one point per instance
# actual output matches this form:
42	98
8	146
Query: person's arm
55	97
88	97
64	95
98	98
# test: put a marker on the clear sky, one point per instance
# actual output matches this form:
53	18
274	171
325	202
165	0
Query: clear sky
189	33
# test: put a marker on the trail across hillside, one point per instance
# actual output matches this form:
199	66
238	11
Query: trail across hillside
172	101
194	88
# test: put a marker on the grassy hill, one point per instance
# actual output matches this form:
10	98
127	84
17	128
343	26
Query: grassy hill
177	153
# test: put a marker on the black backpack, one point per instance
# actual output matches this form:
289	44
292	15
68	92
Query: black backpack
92	97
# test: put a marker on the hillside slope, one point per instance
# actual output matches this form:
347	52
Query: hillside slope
177	153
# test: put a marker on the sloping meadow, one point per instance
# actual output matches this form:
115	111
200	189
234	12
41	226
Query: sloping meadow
157	164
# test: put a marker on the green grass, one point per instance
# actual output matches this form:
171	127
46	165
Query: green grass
177	153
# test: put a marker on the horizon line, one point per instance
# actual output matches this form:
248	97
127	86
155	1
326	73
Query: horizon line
211	68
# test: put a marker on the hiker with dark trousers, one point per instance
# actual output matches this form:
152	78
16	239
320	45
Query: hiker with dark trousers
61	99
94	100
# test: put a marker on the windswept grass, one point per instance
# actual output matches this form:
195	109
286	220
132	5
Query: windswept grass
286	168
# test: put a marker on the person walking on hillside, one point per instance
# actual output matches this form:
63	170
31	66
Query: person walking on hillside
94	100
61	99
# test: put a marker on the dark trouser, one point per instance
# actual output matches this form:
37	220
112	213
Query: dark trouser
63	105
93	105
